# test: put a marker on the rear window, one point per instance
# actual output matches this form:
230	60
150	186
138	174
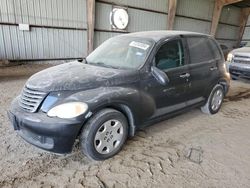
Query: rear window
202	49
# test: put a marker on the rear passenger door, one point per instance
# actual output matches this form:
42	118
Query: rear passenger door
204	56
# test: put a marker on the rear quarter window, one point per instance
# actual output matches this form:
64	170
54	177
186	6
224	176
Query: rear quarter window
216	49
202	49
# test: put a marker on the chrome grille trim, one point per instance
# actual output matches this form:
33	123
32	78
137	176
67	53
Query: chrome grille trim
241	59
30	99
242	56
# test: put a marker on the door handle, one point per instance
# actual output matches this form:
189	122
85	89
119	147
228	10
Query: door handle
213	68
185	75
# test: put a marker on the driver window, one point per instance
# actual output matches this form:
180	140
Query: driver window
170	55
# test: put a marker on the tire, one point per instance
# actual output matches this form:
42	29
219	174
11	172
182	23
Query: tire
210	107
104	134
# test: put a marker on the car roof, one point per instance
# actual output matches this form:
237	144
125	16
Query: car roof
161	34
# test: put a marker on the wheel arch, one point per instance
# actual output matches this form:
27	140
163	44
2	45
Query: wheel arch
222	82
127	112
124	109
225	85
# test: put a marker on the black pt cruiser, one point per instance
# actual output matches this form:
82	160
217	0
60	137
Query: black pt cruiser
127	83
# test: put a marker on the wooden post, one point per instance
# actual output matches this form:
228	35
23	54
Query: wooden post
243	22
218	5
90	24
172	4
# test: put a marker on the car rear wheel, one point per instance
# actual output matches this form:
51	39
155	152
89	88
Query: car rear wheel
104	134
214	101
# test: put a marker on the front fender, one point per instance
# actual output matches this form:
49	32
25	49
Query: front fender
105	95
137	103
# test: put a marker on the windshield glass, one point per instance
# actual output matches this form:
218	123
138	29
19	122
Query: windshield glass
121	53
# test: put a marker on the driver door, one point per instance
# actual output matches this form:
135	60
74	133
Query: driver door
170	58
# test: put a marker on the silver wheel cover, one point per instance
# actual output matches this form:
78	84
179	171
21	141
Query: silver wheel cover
217	100
109	136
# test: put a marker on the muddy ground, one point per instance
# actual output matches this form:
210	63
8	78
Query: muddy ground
190	150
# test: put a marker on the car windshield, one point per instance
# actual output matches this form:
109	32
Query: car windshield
121	53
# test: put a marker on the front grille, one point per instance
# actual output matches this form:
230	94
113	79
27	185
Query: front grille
31	99
241	59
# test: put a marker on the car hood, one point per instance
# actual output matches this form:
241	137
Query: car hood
75	76
241	51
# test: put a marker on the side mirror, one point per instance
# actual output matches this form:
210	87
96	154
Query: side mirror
160	76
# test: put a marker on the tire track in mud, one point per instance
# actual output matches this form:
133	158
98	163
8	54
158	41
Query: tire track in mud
32	168
233	112
240	95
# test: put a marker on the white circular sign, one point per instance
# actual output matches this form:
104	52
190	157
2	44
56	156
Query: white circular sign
119	18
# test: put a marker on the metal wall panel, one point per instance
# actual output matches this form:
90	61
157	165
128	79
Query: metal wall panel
202	9
188	24
145	21
139	20
228	43
248	21
246	35
230	15
103	16
227	32
157	5
100	37
67	13
194	15
41	42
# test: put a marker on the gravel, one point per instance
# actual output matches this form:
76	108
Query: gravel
190	150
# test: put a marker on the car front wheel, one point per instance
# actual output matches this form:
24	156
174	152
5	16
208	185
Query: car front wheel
214	101
104	134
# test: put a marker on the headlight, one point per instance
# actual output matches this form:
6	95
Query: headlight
68	110
230	57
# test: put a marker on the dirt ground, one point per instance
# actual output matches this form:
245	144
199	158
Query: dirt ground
190	150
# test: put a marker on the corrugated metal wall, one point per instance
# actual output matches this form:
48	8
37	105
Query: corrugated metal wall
246	36
58	29
194	15
228	28
143	15
191	15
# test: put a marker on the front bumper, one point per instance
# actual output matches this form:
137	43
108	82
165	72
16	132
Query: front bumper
239	70
51	134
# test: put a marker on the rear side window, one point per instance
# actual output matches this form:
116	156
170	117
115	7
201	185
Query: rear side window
202	49
215	49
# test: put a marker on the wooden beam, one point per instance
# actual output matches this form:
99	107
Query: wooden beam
243	22
218	5
172	4
229	2
90	24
